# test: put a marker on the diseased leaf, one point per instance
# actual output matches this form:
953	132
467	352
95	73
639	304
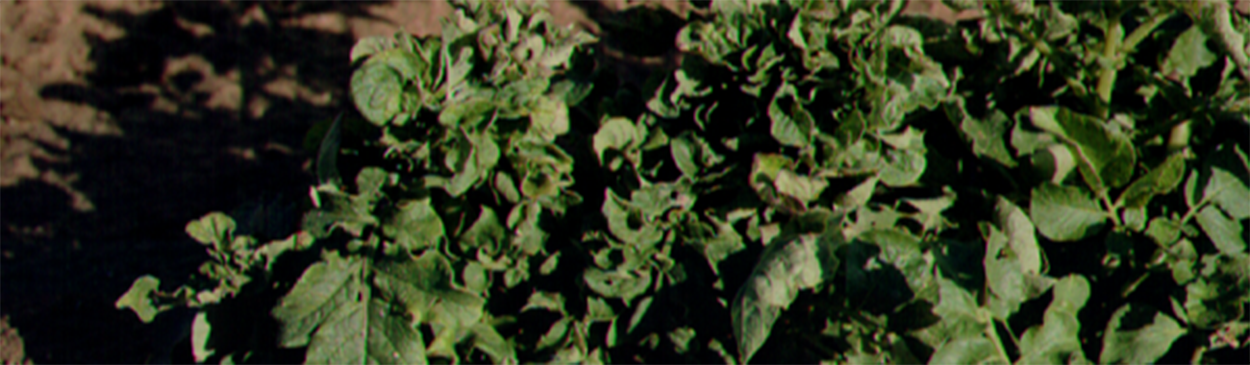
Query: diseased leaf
1065	213
1138	346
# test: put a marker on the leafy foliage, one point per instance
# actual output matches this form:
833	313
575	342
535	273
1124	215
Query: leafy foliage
817	181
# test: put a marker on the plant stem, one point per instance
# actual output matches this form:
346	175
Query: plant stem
1139	34
992	333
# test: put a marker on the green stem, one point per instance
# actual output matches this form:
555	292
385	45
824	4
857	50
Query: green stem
992	333
1143	30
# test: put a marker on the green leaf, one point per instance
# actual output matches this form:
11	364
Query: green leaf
376	90
549	265
486	232
1057	339
416	225
555	333
215	230
1164	231
1105	156
332	309
370	45
785	268
1159	181
1138	346
139	298
1224	232
987	135
617	284
966	350
804	188
860	194
790	128
200	330
550	118
684	153
1188	54
640	311
1227	191
1065	213
681	338
616	134
903	167
1019	230
544	300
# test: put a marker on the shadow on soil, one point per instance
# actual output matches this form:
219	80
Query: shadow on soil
189	146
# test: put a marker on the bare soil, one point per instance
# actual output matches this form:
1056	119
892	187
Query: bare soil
122	120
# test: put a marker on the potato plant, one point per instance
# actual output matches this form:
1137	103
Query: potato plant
819	181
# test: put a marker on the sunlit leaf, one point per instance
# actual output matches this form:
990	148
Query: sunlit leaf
1065	213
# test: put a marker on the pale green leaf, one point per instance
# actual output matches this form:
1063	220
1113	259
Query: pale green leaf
139	298
214	230
1188	54
1164	231
681	338
1224	232
550	118
1143	345
200	330
1065	213
903	167
552	301
369	45
1020	233
549	265
616	134
804	188
1227	191
555	334
966	350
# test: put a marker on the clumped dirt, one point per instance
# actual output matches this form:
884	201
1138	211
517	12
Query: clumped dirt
122	120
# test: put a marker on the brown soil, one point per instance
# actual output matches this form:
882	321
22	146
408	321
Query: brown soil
123	120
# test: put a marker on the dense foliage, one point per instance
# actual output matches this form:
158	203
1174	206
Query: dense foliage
1060	182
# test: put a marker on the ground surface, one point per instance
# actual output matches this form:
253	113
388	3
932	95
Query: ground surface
123	120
